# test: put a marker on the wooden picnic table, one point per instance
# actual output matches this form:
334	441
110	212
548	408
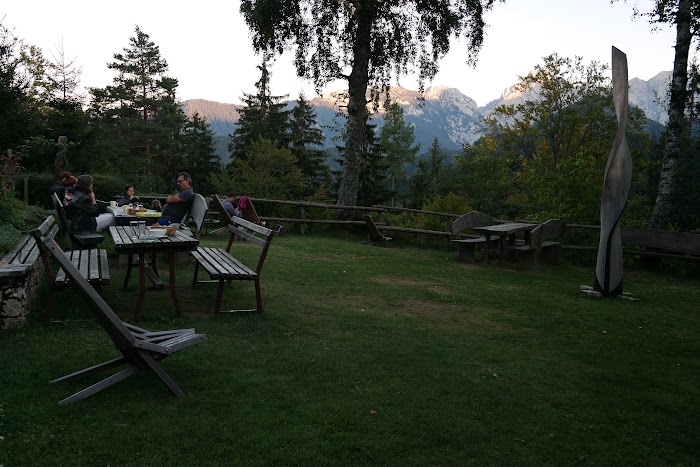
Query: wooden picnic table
506	233
125	244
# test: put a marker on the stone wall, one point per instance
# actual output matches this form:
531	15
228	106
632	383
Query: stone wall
18	297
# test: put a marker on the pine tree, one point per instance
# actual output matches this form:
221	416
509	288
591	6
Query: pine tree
396	137
306	138
138	113
373	171
196	144
262	117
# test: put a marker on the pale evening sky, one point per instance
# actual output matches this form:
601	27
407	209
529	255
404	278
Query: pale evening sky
208	47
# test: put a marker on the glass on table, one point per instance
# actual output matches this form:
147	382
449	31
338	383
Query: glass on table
142	229
134	229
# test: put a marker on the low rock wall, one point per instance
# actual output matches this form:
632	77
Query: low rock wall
18	296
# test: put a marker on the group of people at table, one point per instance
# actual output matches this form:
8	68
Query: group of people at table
86	214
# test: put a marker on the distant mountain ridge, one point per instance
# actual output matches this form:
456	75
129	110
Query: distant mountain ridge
443	113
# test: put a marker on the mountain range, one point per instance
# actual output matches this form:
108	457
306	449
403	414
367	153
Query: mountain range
444	113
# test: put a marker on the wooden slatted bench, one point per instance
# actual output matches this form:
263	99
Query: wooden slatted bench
19	260
466	247
91	263
539	247
222	267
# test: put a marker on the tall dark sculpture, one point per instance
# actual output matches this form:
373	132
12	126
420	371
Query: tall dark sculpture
61	161
616	188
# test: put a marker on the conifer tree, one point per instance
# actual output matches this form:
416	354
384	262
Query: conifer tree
306	139
264	116
196	145
138	113
396	137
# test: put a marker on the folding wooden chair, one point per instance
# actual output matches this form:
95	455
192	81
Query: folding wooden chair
375	236
140	349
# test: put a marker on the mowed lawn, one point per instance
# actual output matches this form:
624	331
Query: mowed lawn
373	356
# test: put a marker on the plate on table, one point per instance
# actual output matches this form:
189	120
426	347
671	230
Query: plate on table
157	232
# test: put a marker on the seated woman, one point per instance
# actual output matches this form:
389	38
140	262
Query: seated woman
65	187
128	197
82	210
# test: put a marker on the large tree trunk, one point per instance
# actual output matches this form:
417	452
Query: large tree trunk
357	109
676	116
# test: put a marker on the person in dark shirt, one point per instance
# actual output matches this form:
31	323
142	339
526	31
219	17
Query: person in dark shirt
128	197
229	207
176	206
82	209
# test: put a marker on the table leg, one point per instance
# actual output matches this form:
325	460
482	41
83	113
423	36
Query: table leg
142	286
173	293
503	243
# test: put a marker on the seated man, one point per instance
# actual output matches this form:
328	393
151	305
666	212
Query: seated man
176	206
228	205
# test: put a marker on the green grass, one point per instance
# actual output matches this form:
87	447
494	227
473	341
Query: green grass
369	355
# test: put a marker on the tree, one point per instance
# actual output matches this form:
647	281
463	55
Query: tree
396	137
557	141
685	14
267	171
306	139
138	113
264	116
196	143
371	40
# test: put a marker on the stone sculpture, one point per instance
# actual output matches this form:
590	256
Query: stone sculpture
61	161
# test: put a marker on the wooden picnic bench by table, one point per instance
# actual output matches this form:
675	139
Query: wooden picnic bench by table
222	267
538	244
74	240
19	259
466	247
506	233
91	263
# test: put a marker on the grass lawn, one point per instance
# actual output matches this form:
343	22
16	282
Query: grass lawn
369	355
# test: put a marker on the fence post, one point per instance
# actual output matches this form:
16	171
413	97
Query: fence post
380	217
26	189
302	215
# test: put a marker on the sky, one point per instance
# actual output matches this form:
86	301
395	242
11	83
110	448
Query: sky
208	48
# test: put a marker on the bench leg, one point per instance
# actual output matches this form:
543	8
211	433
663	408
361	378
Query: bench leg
258	295
196	273
465	252
173	292
527	259
219	296
551	254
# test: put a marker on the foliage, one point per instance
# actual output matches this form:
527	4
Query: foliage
451	203
306	139
545	157
17	219
267	171
138	114
373	173
196	142
364	42
396	137
263	116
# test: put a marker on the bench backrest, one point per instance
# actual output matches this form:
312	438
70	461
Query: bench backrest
677	242
198	211
46	229
218	207
254	233
470	220
553	228
62	219
109	321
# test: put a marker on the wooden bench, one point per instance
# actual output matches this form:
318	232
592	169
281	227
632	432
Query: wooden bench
74	240
91	263
222	267
466	247
540	247
19	260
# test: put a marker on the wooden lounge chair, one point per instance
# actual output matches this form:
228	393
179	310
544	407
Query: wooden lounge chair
375	236
140	349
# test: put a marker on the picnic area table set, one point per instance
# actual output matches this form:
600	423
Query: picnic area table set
131	243
507	233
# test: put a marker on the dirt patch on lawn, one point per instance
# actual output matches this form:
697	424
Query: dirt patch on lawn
426	285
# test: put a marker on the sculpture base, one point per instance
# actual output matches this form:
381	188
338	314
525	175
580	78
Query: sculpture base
587	291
